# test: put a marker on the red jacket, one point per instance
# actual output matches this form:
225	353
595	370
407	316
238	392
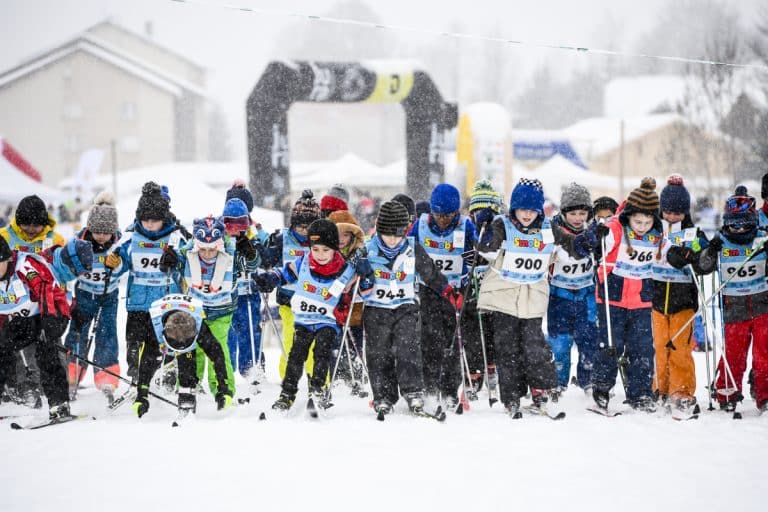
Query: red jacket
43	287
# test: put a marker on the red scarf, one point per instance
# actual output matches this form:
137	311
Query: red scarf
329	269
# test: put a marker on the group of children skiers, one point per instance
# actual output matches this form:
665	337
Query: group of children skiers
431	306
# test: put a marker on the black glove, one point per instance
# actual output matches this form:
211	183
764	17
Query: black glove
53	326
245	247
601	231
716	244
169	260
679	257
266	281
362	264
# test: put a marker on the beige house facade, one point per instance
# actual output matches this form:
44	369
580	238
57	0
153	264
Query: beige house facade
106	88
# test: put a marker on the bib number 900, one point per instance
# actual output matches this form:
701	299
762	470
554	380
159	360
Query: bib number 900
311	308
528	264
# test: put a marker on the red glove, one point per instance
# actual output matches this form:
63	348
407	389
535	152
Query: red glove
454	296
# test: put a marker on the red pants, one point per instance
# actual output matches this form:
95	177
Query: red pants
738	336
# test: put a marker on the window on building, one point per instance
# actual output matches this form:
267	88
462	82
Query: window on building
128	111
129	144
72	143
72	111
66	78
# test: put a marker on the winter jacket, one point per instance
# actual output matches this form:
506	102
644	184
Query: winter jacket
283	247
19	241
92	282
439	244
671	297
218	300
346	223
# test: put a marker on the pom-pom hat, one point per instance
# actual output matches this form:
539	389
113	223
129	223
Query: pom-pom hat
675	197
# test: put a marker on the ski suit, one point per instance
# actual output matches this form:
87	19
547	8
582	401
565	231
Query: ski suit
391	317
34	312
440	353
91	300
629	265
572	313
675	301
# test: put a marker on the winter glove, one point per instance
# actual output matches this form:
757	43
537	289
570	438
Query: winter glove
600	230
266	281
79	318
454	296
484	219
141	404
716	244
53	326
679	257
362	264
169	260
245	247
223	401
585	243
113	260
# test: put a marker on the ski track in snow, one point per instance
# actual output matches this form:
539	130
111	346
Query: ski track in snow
347	460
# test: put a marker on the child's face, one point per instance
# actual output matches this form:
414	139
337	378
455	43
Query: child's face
443	220
605	214
101	238
673	217
322	253
152	224
641	223
344	239
391	241
526	217
3	267
301	229
576	218
31	230
207	253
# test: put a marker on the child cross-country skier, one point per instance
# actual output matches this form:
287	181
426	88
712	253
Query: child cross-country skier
632	241
572	310
320	303
676	299
742	261
391	315
94	303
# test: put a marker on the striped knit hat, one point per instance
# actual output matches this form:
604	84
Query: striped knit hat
643	199
484	196
393	219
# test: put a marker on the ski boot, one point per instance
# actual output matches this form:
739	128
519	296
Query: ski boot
32	398
512	407
382	407
317	395
415	402
540	397
109	394
168	381
728	405
601	398
644	403
223	401
686	407
283	402
556	393
452	404
59	411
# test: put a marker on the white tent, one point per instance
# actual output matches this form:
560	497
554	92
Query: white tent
17	183
558	172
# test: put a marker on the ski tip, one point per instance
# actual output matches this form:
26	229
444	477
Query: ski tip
16	426
460	409
737	416
491	401
559	416
262	416
243	401
517	416
380	416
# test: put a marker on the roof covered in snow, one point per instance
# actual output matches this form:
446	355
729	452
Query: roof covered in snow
598	135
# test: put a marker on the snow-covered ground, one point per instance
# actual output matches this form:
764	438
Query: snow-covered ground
347	460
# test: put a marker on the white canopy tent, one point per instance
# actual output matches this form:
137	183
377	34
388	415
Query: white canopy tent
558	172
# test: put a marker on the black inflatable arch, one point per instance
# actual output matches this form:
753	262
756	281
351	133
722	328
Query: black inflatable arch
427	117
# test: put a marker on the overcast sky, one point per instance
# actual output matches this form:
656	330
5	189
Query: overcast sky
234	46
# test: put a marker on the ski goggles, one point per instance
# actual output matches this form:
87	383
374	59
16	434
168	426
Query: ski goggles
236	225
741	225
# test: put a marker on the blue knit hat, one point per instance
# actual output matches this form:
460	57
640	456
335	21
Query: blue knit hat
235	208
445	199
527	195
675	197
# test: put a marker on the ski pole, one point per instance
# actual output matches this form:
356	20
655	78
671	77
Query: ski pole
255	357
69	353
92	331
361	358
620	360
476	287
343	335
706	340
265	299
727	391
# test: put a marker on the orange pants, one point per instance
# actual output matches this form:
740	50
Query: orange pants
675	369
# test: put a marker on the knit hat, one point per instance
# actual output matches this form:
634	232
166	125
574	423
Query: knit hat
764	188
241	192
179	331
484	196
445	199
575	197
77	255
235	216
605	203
5	250
421	208
209	233
103	215
740	208
324	232
643	199
335	199
393	219
407	202
339	191
32	212
675	197
305	210
152	205
528	194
